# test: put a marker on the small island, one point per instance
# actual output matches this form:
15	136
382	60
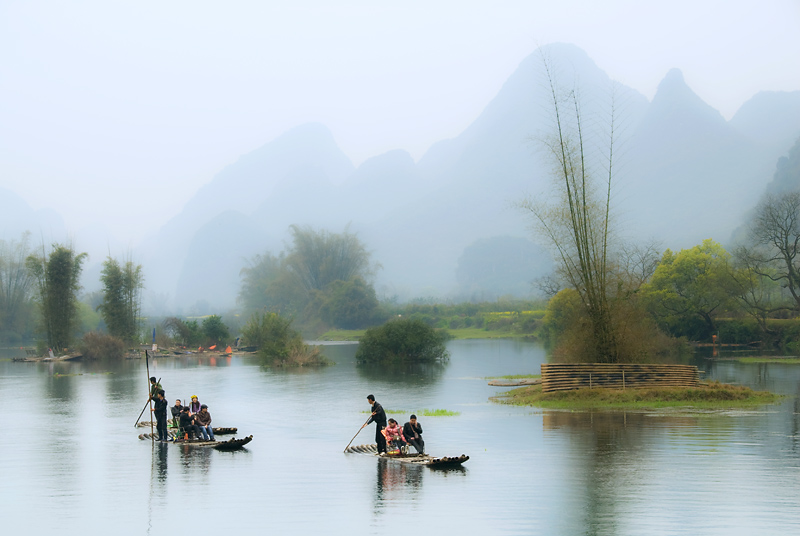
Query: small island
706	396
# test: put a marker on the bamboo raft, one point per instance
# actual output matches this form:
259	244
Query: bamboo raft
217	431
231	444
411	459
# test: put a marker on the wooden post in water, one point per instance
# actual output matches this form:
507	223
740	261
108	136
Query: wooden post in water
590	380
623	379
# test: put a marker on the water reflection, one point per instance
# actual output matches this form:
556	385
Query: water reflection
195	459
396	481
608	449
420	374
160	455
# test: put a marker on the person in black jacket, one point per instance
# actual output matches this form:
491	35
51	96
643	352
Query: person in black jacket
160	411
187	424
379	418
412	430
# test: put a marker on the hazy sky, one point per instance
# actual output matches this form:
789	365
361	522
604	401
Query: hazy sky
116	112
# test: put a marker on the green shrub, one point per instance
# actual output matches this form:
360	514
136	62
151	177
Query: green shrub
403	340
278	344
96	345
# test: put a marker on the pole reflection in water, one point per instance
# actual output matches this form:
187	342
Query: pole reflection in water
160	462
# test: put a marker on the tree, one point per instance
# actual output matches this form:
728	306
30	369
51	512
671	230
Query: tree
16	283
57	276
122	291
774	236
215	330
347	304
693	283
408	340
319	258
578	223
313	274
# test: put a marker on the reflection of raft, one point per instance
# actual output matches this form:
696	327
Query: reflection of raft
217	431
231	444
411	459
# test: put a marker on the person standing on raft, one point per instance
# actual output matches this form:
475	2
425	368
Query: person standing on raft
379	418
160	411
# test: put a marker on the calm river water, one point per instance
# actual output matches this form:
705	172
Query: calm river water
70	461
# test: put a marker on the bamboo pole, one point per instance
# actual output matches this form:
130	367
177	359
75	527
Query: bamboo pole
149	394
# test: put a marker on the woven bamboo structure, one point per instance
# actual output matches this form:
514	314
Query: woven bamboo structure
568	376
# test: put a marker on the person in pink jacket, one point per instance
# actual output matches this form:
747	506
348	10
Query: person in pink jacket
394	434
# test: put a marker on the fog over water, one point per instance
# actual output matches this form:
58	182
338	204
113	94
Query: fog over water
180	131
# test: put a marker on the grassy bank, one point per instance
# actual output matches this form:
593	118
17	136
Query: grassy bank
462	333
708	396
765	359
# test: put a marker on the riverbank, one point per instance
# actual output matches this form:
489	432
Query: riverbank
457	334
709	395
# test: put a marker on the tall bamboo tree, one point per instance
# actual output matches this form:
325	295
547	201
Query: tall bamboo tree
15	285
57	278
122	290
578	223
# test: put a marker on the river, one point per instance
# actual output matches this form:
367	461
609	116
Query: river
71	462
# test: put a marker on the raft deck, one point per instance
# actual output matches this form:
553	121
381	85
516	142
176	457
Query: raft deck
411	459
231	444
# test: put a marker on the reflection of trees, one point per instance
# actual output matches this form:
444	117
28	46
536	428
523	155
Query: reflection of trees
417	374
394	479
609	450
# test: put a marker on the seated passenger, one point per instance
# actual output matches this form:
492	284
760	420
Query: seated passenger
394	435
188	428
412	431
203	420
194	405
176	413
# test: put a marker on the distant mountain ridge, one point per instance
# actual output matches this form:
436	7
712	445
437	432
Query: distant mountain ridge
684	174
688	175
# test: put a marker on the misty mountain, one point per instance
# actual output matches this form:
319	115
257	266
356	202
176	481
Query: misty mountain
770	119
441	226
688	169
685	174
18	216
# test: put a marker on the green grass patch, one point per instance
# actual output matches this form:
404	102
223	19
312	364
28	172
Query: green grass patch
342	335
460	333
713	395
514	377
767	359
480	333
422	412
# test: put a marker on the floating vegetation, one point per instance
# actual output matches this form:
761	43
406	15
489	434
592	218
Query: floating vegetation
59	375
513	377
421	412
